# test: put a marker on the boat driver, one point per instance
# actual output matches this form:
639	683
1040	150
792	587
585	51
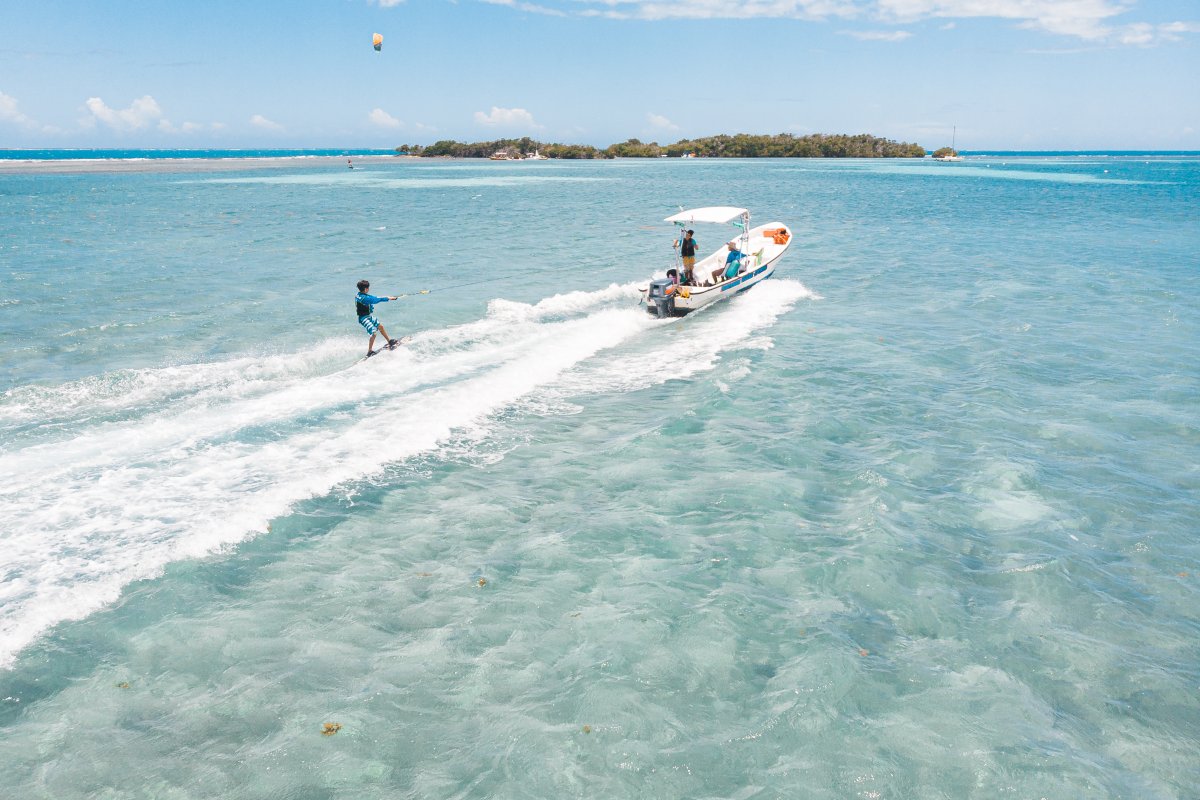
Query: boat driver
687	250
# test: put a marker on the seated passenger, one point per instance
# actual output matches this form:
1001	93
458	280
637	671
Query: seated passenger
733	263
673	286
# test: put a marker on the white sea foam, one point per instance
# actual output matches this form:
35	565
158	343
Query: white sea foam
193	384
383	182
698	350
986	171
203	456
1009	500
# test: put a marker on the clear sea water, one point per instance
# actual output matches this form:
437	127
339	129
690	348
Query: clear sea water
915	519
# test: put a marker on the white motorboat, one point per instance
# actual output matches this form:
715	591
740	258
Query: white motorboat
761	249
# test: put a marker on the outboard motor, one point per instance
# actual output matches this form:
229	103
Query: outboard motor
660	299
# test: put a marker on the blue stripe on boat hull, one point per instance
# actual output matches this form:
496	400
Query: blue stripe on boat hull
743	278
738	284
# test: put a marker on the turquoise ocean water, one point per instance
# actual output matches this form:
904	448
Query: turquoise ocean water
105	154
917	518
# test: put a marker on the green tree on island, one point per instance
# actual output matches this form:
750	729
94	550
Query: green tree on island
633	148
741	145
448	148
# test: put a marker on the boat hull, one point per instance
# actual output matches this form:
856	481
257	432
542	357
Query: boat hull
764	254
701	296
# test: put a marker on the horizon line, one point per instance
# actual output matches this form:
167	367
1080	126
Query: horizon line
395	150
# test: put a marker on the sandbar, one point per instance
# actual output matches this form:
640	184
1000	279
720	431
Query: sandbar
85	166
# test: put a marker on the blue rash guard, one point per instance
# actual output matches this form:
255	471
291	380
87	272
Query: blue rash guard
365	303
733	262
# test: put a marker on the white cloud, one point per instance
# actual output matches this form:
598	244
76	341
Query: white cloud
383	119
1173	29
1097	21
259	121
1073	17
879	36
1091	20
165	126
725	9
140	113
1138	33
660	123
507	118
388	3
10	113
1141	33
530	7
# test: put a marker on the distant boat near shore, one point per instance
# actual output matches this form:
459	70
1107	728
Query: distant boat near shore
505	155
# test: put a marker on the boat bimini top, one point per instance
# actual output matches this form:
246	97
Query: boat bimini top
740	218
717	214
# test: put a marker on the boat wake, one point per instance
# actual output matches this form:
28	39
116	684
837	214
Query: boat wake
107	480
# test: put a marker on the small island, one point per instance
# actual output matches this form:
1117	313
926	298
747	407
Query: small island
741	145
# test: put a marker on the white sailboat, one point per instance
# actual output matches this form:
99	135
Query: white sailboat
953	154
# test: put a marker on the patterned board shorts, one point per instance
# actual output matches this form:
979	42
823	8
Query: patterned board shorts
689	262
370	323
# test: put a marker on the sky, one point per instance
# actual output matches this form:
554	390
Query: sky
992	74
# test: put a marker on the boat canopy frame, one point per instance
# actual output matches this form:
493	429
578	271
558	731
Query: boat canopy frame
740	217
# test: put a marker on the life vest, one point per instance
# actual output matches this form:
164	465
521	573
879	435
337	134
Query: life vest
363	309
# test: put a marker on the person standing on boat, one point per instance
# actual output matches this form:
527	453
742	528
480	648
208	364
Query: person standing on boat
365	305
733	264
687	250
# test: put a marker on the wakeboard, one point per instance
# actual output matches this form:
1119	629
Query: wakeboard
392	345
